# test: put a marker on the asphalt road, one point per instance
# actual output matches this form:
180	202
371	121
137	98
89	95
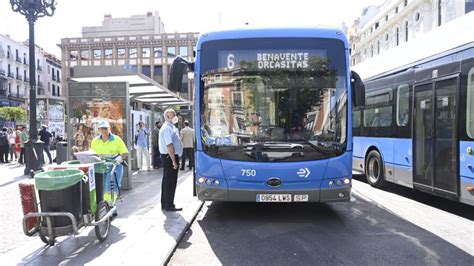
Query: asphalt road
360	232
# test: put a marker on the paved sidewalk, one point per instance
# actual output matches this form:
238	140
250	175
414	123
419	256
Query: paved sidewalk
141	232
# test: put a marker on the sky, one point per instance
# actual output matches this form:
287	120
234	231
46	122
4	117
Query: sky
180	16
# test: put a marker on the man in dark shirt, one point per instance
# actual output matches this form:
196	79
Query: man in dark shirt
45	137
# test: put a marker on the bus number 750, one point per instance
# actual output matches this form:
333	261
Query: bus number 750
248	172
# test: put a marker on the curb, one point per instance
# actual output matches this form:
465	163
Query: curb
183	232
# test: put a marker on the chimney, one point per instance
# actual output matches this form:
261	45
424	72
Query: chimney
149	14
107	16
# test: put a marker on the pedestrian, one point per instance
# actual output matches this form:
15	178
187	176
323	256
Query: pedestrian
187	137
155	140
171	149
110	145
23	140
142	147
45	137
17	144
11	142
4	146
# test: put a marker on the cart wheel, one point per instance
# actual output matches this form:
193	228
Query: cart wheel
102	230
47	240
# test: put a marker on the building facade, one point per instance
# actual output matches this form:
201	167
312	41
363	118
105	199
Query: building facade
395	22
15	82
150	54
148	24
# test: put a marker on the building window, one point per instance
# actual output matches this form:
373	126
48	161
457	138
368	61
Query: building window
417	16
158	74
439	12
108	53
183	51
405	3
171	51
97	54
84	54
469	6
54	90
406	31
73	55
146	52
397	35
371	51
396	10
121	52
403	104
386	37
470	104
158	52
132	52
57	75
386	18
378	47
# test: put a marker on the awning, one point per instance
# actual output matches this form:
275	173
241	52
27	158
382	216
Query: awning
141	88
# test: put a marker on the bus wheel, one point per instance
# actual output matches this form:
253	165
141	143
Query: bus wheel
374	171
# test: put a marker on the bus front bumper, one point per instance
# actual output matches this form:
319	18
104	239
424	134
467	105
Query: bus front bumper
311	195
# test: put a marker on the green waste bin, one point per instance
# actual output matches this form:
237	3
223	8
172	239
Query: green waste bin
100	168
60	191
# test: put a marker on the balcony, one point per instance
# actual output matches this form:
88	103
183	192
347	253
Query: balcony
19	77
40	68
26	79
9	55
2	72
18	59
41	91
40	85
11	75
3	93
25	62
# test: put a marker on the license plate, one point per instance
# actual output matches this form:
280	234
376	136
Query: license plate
273	197
300	198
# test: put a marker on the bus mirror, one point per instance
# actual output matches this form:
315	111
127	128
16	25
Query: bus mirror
177	70
358	89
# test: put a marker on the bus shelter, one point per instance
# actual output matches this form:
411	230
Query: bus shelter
106	93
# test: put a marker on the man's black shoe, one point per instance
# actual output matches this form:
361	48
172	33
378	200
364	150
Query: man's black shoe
173	209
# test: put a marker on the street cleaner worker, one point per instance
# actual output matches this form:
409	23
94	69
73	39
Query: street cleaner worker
111	146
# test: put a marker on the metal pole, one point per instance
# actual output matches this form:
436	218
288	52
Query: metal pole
33	127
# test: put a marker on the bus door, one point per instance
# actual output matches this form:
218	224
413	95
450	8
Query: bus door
435	136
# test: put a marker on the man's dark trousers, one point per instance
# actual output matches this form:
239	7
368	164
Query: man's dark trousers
188	153
168	184
46	149
156	156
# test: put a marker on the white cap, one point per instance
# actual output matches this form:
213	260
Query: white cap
103	123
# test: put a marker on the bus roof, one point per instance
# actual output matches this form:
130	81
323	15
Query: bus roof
454	35
320	32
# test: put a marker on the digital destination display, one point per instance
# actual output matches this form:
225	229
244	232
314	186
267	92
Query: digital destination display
268	59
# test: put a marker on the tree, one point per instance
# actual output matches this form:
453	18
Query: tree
16	114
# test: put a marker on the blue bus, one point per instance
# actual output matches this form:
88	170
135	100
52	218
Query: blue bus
271	113
417	127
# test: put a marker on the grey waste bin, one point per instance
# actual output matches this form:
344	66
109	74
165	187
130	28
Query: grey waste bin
134	159
61	152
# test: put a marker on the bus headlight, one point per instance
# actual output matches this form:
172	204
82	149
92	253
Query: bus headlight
331	183
347	181
201	180
217	183
208	182
339	182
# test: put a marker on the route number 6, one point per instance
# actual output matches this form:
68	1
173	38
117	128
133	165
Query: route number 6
230	61
248	172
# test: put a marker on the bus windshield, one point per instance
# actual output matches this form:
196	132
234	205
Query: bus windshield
273	99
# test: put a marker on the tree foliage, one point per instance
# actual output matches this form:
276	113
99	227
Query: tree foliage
10	113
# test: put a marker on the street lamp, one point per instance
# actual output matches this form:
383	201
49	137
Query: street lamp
33	9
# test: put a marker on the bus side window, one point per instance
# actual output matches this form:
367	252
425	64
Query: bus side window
403	105
470	104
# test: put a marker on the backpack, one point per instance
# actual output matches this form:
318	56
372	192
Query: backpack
3	139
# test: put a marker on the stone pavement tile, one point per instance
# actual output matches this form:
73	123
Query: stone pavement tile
141	231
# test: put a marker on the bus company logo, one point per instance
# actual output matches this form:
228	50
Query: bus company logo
274	182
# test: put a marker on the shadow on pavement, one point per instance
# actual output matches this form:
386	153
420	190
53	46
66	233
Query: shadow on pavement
450	206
